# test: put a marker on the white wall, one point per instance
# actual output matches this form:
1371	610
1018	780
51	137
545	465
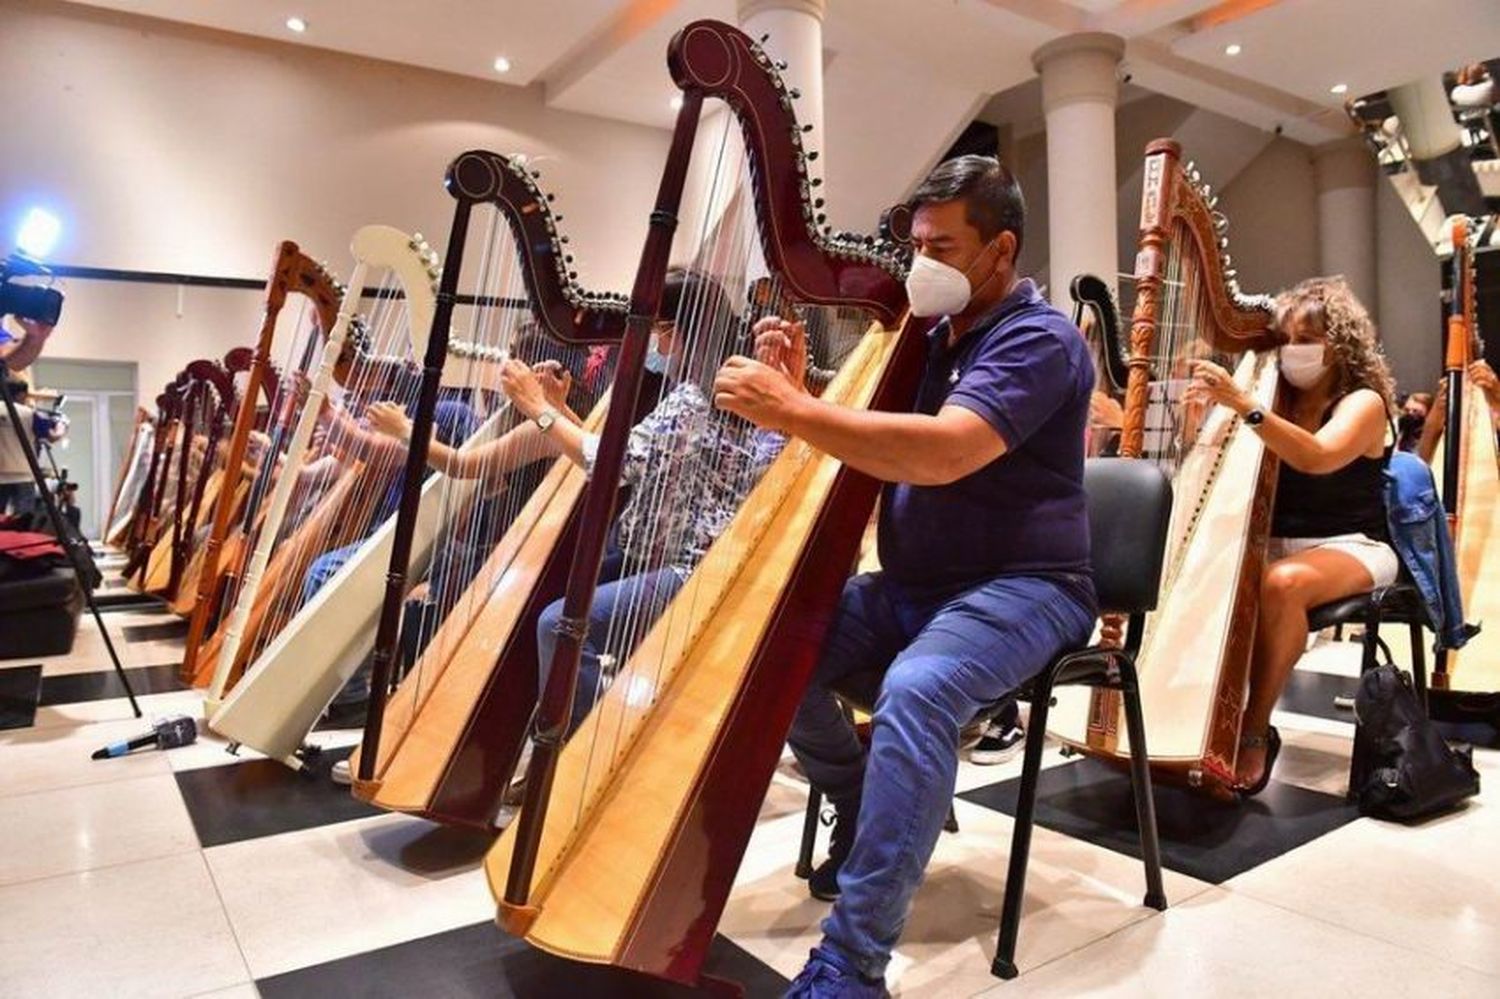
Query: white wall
171	148
1410	283
1272	207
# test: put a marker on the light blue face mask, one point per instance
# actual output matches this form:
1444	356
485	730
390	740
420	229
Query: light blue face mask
657	362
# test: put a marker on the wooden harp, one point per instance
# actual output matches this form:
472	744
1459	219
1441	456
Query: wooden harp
445	743
148	516
1195	656
629	836
292	272
290	683
1095	312
1468	468
377	362
129	478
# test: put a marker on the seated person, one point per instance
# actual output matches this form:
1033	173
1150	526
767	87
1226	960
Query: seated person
984	545
1415	407
1329	536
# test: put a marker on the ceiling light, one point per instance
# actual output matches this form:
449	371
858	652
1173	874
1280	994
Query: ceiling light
676	103
1232	49
38	233
502	64
1339	88
296	24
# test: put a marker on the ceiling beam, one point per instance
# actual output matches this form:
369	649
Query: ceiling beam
633	19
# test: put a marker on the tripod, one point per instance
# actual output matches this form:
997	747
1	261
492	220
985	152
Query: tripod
72	542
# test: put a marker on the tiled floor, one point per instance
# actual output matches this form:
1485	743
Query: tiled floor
107	886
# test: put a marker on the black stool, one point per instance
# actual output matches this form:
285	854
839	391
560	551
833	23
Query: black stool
1399	603
1130	505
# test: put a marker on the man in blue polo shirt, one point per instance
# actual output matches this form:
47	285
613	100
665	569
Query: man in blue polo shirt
983	541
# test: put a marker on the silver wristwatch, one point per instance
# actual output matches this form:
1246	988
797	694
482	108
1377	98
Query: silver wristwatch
545	419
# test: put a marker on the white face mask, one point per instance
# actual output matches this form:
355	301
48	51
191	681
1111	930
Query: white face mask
1302	364
938	289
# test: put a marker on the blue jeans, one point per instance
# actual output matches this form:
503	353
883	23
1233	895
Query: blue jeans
941	655
324	568
651	591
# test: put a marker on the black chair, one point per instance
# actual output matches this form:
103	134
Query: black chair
1399	603
1130	505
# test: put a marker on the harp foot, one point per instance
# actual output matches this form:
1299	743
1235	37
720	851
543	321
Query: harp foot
1156	900
233	749
1004	969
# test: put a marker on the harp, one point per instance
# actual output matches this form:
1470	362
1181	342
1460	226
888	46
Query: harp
446	743
129	480
1095	312
444	523
1470	475
629	836
207	394
292	272
1195	656
148	515
377	362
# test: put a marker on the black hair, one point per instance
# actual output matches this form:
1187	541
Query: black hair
992	198
712	311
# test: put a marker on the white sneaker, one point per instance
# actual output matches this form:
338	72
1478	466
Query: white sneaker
341	773
997	745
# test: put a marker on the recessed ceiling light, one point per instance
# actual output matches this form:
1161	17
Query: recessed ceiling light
676	103
1232	49
296	24
1339	88
502	64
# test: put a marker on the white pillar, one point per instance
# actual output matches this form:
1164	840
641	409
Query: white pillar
1345	174
795	28
1079	92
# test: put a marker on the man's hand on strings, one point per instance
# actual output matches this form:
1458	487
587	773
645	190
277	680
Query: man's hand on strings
1482	375
760	393
523	388
1212	383
782	345
390	419
556	381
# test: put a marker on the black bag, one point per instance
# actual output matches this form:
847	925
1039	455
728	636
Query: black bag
1408	771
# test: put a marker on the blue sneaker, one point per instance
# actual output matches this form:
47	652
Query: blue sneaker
827	975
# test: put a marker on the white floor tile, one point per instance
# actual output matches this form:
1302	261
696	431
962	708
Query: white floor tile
1224	945
152	928
177	702
1429	887
46	759
315	895
94	826
244	991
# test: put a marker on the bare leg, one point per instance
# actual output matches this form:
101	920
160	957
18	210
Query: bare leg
1289	589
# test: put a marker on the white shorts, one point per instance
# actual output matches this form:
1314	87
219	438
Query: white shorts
1378	558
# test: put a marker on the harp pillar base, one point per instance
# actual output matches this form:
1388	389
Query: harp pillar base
517	919
1004	969
210	706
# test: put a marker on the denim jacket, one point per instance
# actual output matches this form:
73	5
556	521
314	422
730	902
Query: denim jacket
1419	533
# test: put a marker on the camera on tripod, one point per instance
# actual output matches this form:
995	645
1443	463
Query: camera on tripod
28	301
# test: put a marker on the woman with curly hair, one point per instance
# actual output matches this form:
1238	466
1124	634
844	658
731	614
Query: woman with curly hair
1328	527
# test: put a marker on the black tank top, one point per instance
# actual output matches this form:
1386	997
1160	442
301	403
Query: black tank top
1350	500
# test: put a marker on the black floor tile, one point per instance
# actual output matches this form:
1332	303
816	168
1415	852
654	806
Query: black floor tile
104	684
1310	693
262	798
482	960
126	601
19	688
1203	838
176	628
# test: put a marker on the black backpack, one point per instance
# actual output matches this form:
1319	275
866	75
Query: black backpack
1406	770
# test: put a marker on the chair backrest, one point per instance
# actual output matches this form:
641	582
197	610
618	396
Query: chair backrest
1130	508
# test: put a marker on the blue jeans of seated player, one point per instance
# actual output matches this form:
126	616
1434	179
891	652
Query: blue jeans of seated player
943	656
651	591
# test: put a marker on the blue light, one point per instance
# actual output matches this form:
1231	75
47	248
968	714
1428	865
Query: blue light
38	234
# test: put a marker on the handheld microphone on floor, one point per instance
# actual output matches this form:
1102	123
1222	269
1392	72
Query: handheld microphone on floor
168	733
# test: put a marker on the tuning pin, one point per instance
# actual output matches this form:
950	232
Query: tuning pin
536	175
817	182
551	196
781	65
563	239
567	258
558	218
572	275
812	155
765	38
796	93
821	218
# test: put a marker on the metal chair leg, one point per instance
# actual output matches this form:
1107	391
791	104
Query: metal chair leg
1004	965
1419	662
1140	784
809	833
950	824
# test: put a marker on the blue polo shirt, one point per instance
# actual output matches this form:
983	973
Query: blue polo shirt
1025	369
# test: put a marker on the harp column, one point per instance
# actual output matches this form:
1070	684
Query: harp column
1080	88
1345	174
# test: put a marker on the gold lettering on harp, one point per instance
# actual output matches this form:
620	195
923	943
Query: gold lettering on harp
1151	189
